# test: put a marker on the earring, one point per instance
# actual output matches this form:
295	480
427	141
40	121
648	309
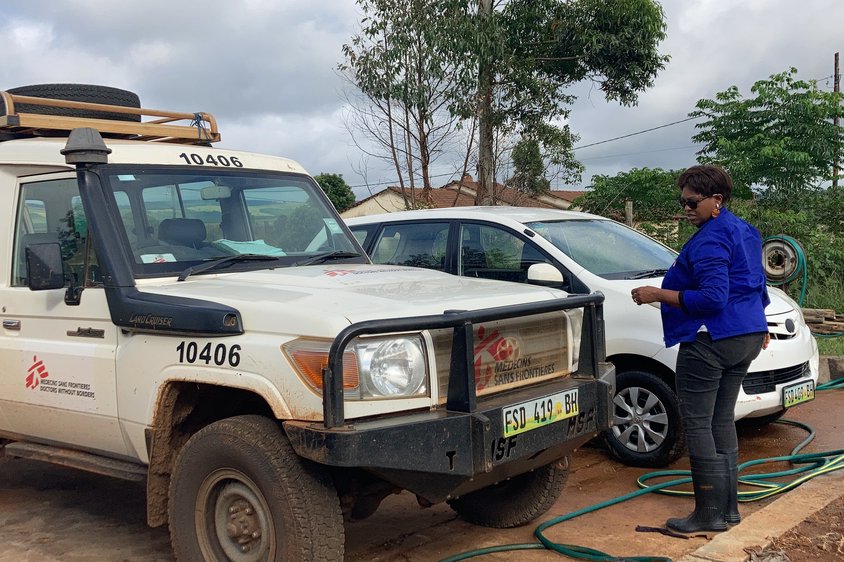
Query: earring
716	211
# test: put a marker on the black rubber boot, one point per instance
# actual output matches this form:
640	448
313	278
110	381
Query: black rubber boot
731	513
710	481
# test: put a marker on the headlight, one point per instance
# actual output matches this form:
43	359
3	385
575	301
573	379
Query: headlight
392	367
379	367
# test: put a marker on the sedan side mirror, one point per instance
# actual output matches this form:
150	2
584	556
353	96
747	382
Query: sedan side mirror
545	274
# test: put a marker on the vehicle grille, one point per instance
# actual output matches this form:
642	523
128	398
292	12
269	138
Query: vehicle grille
515	352
766	381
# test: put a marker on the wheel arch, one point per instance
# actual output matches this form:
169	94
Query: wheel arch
183	408
625	362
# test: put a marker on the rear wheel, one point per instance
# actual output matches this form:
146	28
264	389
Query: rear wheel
517	501
647	430
239	493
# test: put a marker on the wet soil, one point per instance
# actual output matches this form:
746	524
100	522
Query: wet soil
820	538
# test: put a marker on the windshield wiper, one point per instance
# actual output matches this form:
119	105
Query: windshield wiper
322	258
219	262
649	273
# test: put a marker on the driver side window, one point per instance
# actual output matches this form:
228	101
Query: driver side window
51	212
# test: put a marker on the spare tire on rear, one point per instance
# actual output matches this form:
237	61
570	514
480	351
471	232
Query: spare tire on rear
76	92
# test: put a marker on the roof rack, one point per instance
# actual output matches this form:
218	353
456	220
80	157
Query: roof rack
39	121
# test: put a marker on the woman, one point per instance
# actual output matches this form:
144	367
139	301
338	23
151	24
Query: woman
713	301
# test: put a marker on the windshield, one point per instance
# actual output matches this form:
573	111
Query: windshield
176	219
607	248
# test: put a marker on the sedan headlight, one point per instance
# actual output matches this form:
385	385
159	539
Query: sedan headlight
378	367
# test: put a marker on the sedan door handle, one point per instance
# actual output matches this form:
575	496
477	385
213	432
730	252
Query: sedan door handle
12	324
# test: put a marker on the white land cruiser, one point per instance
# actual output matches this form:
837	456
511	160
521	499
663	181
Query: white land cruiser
167	317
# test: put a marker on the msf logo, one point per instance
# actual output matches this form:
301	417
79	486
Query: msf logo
492	348
35	373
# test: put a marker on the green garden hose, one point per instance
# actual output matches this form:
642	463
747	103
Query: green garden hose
816	464
784	261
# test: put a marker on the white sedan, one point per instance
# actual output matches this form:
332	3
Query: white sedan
579	253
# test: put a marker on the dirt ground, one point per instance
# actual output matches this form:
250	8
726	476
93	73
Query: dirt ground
52	514
820	538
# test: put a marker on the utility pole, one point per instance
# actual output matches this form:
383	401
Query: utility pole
836	88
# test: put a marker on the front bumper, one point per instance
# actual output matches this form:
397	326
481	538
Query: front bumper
461	447
441	454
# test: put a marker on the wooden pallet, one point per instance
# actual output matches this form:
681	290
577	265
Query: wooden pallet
824	321
202	127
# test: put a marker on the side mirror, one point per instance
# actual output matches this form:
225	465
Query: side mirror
44	268
544	274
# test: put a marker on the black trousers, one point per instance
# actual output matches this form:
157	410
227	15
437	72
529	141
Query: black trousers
709	376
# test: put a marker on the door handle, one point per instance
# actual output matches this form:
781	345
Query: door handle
12	324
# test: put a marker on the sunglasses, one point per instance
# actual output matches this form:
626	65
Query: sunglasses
691	203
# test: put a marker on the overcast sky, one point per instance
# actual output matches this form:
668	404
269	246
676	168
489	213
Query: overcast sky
266	69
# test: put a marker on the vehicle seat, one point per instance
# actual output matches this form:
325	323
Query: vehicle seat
473	256
182	232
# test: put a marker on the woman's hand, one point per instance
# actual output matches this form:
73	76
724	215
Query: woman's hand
766	341
646	294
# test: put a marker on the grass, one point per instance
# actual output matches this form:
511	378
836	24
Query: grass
831	346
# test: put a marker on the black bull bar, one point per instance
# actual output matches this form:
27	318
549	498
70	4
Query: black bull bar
415	449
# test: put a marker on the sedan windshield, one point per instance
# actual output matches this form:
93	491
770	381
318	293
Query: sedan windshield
184	220
607	248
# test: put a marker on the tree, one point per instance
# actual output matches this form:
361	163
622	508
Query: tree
505	64
782	140
404	75
653	192
528	53
340	194
529	169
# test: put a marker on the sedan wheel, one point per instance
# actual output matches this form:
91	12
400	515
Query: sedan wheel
646	428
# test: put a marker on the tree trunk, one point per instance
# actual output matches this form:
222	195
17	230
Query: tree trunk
485	129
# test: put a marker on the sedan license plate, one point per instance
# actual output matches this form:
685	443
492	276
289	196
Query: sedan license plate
542	411
796	393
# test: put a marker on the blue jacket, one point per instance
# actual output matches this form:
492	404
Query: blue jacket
721	281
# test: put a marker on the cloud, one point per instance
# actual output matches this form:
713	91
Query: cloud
267	70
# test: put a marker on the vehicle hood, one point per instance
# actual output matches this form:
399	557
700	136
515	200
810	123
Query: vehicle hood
321	300
780	301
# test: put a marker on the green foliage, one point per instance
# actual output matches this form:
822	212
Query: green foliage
529	176
338	191
653	192
432	54
782	139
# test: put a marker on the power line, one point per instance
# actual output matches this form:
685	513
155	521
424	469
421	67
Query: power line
636	133
574	148
639	152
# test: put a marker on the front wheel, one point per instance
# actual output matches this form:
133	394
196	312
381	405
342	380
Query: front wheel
239	493
517	501
646	428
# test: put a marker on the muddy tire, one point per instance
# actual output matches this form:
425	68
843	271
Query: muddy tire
647	430
239	493
517	501
76	92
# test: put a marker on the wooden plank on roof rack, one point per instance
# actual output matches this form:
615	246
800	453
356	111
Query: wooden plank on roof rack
161	132
202	130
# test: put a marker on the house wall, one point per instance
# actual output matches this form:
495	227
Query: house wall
385	202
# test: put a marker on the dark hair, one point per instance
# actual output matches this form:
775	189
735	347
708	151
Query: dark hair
707	180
